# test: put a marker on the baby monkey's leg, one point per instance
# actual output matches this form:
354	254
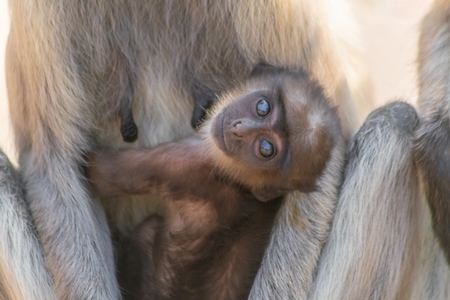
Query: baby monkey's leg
136	265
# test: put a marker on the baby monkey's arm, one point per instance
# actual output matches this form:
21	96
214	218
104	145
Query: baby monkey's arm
167	168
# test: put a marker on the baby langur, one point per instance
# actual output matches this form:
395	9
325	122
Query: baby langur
271	136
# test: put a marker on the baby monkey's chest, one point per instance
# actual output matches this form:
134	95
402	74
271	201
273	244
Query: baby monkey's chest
200	216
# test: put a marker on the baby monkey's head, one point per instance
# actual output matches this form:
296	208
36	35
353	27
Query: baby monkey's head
275	133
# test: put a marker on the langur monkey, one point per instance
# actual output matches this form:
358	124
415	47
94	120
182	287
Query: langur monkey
432	145
271	136
72	65
381	244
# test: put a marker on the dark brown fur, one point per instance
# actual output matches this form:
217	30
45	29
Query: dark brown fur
212	238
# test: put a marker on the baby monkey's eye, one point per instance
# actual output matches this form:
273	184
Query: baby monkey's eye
266	149
263	108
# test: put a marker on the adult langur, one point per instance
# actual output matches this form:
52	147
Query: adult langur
71	66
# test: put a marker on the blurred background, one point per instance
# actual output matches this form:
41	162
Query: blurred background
389	33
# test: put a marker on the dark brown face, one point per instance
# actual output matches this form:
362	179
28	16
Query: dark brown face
278	132
252	130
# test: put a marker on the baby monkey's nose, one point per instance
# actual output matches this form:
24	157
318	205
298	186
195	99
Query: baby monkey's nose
241	128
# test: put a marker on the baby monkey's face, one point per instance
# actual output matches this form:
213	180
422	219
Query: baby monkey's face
252	130
275	133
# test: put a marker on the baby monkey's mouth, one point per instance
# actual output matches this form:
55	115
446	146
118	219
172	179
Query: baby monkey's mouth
217	132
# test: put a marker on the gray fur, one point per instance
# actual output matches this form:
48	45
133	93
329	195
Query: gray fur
23	274
304	220
371	251
66	64
432	145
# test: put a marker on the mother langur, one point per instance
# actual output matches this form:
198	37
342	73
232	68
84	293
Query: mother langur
73	66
